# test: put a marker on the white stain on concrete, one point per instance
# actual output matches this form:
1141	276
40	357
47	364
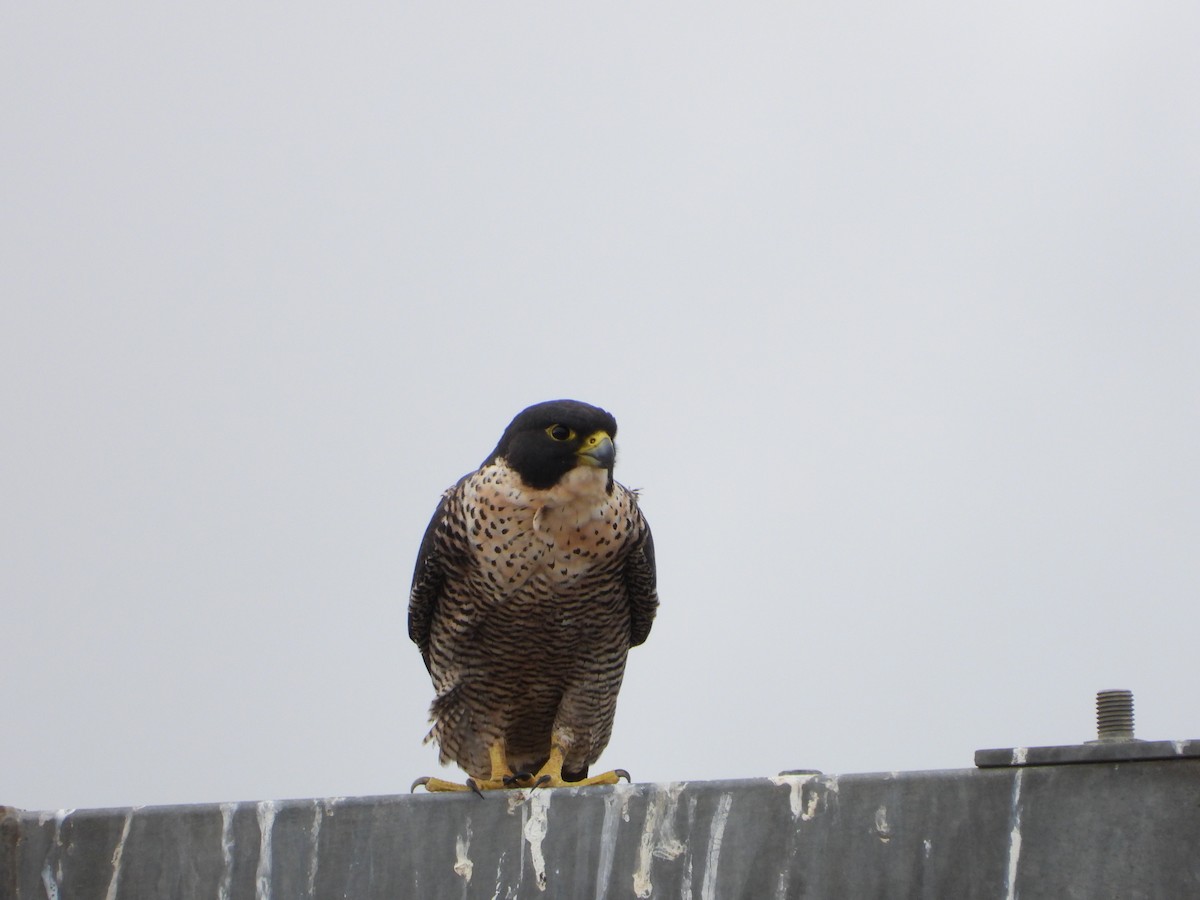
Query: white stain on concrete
685	887
535	829
642	885
463	867
810	808
516	801
223	888
118	852
1180	746
795	784
499	876
1020	755
1014	839
626	792
667	844
658	835
809	794
262	874
928	845
716	834
613	804
314	838
52	872
882	829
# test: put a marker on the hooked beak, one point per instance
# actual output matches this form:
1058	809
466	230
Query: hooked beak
597	450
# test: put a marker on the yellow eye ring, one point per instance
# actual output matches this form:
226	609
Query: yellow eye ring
560	433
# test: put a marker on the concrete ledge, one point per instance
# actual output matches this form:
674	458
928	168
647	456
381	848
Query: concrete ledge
1097	751
1129	829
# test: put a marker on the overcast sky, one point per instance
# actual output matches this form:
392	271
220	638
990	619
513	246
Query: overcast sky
896	306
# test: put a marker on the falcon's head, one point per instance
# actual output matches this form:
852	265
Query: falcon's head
548	440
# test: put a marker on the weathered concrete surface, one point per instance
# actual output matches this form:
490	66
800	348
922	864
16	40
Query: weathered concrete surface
1095	751
1106	830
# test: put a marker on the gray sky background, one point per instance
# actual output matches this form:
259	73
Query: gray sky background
896	305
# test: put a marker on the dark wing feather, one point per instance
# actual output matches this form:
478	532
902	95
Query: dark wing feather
640	585
428	578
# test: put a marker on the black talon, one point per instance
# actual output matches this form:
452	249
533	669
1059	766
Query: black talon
515	779
621	772
545	779
473	785
423	780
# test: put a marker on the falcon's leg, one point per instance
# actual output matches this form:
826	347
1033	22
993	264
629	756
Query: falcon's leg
502	776
550	774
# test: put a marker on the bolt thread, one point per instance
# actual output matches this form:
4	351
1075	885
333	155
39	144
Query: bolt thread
1114	715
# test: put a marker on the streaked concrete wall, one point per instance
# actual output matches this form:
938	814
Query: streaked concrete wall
1101	830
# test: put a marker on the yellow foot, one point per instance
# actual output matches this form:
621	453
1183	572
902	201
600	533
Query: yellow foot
502	777
550	780
478	785
550	774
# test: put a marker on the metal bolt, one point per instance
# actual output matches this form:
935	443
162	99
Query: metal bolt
1114	715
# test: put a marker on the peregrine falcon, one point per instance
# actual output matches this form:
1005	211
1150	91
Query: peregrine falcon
535	577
